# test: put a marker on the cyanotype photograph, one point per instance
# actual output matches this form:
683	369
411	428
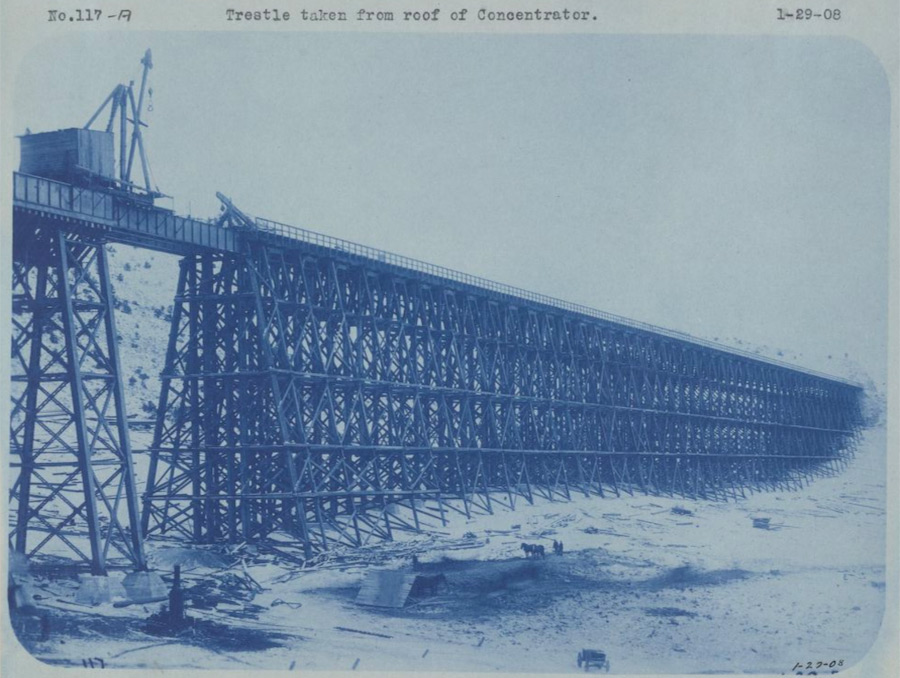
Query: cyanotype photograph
469	353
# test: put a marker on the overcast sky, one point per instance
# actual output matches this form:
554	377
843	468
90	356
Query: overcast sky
726	187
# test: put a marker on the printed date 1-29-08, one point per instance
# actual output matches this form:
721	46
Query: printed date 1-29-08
800	14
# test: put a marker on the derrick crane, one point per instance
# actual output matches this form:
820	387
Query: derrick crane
68	424
333	392
125	112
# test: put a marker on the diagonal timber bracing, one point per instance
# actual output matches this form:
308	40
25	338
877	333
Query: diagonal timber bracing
68	429
337	393
310	394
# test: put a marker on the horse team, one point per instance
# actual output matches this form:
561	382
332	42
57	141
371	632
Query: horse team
537	550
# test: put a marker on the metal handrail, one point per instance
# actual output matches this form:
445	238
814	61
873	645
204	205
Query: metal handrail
383	256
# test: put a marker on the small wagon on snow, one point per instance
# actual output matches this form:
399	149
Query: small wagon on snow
589	658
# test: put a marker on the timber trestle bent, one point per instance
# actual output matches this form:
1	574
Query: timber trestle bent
337	393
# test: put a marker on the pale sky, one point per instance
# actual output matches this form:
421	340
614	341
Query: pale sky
726	187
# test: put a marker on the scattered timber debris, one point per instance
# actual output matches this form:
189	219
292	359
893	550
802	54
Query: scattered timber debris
365	633
288	603
225	588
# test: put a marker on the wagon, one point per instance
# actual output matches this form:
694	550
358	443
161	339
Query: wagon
589	658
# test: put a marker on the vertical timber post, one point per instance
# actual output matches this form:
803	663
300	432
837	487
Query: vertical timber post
69	423
131	498
73	364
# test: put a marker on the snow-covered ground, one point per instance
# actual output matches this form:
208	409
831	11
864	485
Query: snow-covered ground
658	591
144	283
